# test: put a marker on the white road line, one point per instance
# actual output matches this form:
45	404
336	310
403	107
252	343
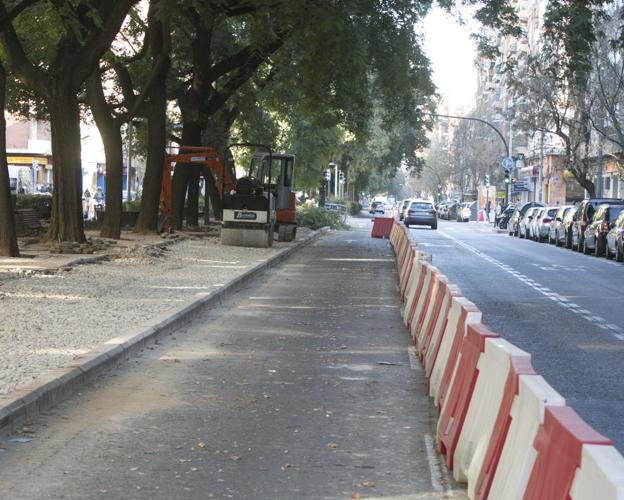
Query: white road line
434	464
555	297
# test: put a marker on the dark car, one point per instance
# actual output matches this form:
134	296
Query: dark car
596	233
514	222
584	214
421	212
615	239
451	210
503	218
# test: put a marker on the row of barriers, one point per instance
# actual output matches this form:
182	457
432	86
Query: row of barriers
502	428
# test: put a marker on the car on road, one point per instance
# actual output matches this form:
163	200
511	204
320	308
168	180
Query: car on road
556	233
466	211
595	239
523	225
421	212
615	239
541	224
584	214
377	207
514	222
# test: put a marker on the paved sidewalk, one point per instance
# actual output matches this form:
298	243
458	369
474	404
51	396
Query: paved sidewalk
300	386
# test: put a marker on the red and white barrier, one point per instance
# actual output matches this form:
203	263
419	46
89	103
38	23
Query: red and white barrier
601	474
435	306
439	328
405	272
498	369
559	444
462	313
424	300
510	475
503	428
455	405
414	289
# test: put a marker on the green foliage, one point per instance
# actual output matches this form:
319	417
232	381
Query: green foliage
41	204
354	208
316	218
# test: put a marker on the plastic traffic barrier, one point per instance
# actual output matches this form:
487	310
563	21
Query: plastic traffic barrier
435	306
393	234
382	227
455	406
414	282
422	301
488	412
415	298
601	474
439	328
511	474
405	271
427	308
463	313
559	444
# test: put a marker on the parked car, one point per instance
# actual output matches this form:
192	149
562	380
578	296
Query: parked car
615	239
595	239
532	227
402	207
421	212
523	225
556	233
451	210
584	214
541	225
514	222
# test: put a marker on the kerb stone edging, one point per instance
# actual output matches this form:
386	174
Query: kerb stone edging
26	403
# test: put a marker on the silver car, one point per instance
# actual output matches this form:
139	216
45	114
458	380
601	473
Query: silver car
525	222
542	222
421	212
556	233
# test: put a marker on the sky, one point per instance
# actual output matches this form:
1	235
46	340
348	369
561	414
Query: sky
452	54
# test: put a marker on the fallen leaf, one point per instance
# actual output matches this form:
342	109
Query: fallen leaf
201	444
368	484
356	495
332	445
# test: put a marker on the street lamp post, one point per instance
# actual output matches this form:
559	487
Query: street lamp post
498	132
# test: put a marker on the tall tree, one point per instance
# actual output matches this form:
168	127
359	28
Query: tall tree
110	115
86	30
8	240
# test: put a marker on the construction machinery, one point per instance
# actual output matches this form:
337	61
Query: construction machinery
255	207
262	202
190	155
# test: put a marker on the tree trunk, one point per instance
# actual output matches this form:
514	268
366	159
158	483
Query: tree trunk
8	239
67	222
184	173
113	150
156	134
110	130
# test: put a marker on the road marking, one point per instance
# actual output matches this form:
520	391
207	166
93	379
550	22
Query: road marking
434	465
602	323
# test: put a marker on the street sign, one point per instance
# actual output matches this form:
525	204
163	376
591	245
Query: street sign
507	163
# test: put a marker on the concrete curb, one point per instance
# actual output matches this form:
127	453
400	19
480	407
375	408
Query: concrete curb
25	404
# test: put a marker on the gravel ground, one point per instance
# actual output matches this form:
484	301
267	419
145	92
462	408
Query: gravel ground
48	319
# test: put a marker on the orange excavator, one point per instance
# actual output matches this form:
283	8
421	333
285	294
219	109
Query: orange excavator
255	206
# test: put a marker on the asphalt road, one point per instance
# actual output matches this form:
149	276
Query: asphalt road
563	307
301	386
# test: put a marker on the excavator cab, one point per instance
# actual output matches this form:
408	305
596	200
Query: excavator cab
279	180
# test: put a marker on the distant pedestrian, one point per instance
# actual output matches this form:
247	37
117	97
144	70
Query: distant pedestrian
497	216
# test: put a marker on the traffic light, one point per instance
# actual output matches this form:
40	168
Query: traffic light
513	180
507	179
341	177
418	115
486	181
